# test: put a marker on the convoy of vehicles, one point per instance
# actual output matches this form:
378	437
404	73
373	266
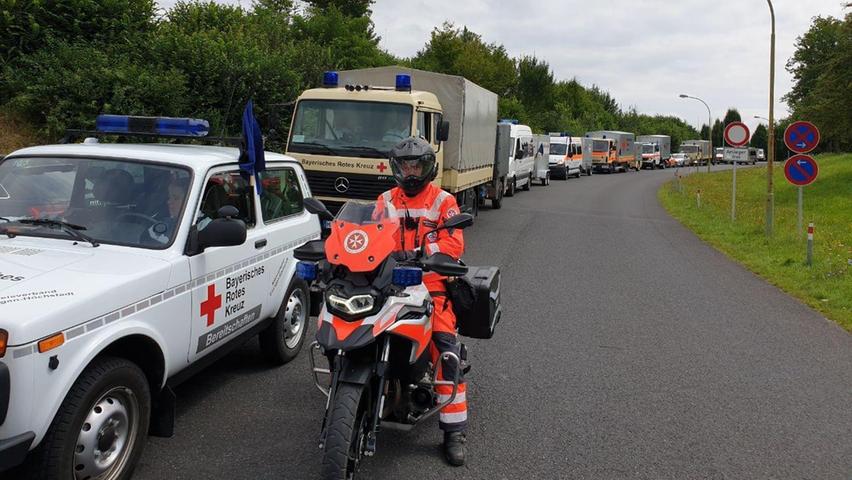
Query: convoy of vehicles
133	266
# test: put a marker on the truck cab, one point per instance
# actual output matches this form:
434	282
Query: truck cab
342	136
566	156
604	156
650	155
343	132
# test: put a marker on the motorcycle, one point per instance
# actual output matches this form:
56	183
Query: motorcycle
374	329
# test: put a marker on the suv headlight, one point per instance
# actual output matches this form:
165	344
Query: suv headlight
354	305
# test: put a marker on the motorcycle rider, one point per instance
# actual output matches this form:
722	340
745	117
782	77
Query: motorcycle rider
421	207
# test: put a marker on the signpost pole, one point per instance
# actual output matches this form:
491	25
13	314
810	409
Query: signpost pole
736	134
734	194
800	210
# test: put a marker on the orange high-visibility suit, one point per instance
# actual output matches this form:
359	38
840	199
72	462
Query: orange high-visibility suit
418	215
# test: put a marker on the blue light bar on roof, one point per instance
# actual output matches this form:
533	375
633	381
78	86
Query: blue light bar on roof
509	120
403	82
329	79
178	127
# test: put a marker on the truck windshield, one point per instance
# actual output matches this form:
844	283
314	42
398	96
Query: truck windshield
647	149
110	201
689	148
347	128
557	148
600	146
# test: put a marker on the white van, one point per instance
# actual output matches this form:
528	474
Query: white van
566	157
521	159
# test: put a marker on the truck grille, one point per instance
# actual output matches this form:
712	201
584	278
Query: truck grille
364	187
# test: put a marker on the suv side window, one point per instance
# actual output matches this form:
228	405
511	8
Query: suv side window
226	188
281	196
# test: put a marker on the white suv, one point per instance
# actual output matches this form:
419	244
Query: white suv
124	268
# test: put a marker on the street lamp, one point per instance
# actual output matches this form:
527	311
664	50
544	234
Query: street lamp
770	195
709	127
761	118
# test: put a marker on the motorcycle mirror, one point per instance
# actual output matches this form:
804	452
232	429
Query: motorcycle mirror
312	205
462	220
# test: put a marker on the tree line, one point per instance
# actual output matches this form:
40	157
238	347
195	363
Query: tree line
62	63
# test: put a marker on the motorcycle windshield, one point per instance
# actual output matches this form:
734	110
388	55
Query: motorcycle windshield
363	235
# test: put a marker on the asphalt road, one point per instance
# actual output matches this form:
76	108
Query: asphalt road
628	349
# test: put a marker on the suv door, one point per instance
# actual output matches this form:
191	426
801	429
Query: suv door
287	225
229	283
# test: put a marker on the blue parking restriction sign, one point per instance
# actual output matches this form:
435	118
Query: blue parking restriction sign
801	170
801	137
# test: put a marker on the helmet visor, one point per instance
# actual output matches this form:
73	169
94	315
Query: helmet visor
413	168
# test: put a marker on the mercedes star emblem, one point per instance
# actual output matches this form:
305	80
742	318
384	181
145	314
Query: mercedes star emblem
341	184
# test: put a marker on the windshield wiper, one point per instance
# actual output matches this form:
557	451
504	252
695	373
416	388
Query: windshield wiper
69	228
378	152
328	150
5	219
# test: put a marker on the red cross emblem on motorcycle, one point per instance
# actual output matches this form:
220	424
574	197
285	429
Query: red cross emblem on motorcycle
355	242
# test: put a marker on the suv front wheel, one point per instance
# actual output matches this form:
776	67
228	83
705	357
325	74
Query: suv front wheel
101	426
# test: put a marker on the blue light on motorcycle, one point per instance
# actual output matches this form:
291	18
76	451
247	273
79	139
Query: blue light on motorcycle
307	271
407	276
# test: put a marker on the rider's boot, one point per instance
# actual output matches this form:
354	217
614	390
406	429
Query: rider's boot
454	449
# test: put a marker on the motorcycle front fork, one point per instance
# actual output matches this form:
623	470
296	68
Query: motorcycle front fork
381	370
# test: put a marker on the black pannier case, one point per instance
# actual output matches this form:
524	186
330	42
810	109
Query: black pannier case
485	315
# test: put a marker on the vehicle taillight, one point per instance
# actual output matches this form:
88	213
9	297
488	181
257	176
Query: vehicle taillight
4	338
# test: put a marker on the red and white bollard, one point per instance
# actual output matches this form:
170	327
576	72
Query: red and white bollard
810	258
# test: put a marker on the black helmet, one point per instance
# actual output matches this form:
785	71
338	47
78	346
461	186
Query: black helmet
411	152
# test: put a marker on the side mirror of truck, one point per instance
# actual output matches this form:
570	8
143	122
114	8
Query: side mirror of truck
443	132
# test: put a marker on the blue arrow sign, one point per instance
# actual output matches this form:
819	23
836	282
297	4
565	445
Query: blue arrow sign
801	170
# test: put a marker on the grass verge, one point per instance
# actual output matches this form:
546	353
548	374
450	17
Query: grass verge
827	284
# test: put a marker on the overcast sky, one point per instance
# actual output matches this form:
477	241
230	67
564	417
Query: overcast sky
644	52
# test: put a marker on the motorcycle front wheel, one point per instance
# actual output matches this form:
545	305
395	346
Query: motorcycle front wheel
344	443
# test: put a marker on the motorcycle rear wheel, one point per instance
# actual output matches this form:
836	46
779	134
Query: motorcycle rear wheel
345	438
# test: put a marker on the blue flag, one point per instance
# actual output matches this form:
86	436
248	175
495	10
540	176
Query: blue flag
252	162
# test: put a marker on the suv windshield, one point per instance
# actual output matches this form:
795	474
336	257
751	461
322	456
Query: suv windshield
110	201
346	128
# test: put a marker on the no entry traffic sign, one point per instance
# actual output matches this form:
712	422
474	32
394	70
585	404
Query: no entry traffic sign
801	170
801	137
737	134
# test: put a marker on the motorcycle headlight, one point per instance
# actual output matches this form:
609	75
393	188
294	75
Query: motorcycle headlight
353	305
